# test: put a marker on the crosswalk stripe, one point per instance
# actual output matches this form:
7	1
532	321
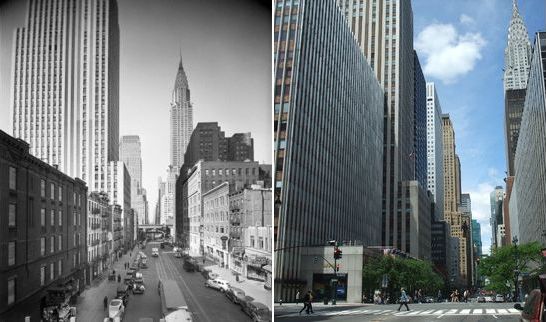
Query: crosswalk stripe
513	311
477	311
438	312
465	311
382	312
502	311
414	312
452	311
490	311
427	312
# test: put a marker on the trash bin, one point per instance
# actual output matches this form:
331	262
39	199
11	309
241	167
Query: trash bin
325	299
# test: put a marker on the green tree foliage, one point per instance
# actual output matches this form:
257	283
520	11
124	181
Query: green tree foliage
500	267
411	274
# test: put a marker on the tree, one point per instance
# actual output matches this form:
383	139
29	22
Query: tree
501	266
412	274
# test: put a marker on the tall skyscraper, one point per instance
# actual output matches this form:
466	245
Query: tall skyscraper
459	223
328	132
529	185
435	150
181	113
466	204
517	59
65	99
384	30
477	237
130	154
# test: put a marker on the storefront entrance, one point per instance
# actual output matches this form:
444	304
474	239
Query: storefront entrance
322	286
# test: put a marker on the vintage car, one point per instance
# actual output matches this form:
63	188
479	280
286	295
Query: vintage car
235	295
138	288
217	284
257	311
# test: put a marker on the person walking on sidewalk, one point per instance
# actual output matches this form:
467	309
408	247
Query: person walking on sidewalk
119	278
403	299
305	303
297	297
105	302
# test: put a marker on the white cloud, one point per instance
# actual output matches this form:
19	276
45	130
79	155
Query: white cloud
448	55
466	20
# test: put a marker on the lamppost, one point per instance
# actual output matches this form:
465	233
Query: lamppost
516	271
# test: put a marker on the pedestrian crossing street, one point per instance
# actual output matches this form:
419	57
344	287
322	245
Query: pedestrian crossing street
403	312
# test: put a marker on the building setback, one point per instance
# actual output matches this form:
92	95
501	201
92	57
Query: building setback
43	242
530	164
66	86
328	137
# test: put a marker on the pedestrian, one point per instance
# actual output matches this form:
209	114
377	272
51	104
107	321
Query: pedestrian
403	299
105	302
119	278
297	297
305	303
419	296
310	304
465	296
439	297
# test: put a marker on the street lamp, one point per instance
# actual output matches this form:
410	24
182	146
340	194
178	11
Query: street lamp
516	271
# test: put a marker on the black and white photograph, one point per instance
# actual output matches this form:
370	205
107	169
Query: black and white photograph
136	160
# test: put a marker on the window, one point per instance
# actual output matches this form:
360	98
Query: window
12	178
74	219
51	271
12	215
42	276
52	244
11	253
60	242
42	188
52	217
60	193
42	217
52	191
42	246
252	241
261	242
11	290
60	267
60	217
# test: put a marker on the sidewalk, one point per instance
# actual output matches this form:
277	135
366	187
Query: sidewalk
290	308
90	305
252	288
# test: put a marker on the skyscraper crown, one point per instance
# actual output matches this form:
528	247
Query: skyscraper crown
517	54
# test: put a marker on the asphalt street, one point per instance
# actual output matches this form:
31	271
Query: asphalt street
418	312
206	305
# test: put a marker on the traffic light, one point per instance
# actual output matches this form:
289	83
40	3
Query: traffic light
338	253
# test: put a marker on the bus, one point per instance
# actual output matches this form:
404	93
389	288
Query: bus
173	304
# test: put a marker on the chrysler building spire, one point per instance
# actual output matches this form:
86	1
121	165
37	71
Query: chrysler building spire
517	55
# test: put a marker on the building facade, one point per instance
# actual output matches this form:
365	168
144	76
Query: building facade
181	117
240	147
216	227
335	100
65	99
98	247
420	153
496	198
530	184
43	231
202	177
384	31
119	193
435	150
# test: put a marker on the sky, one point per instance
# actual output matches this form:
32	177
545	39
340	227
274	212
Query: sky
226	52
460	45
226	49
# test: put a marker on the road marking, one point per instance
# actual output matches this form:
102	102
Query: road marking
502	311
477	311
427	312
452	311
438	312
494	316
382	312
513	311
490	311
465	311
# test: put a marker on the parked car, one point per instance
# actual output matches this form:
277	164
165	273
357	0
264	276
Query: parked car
533	309
488	298
116	308
481	299
122	293
217	284
189	265
131	271
138	278
144	264
499	298
244	302
428	299
235	295
257	311
138	287
177	255
155	252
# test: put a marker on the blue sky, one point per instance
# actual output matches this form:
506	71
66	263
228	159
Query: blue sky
473	33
